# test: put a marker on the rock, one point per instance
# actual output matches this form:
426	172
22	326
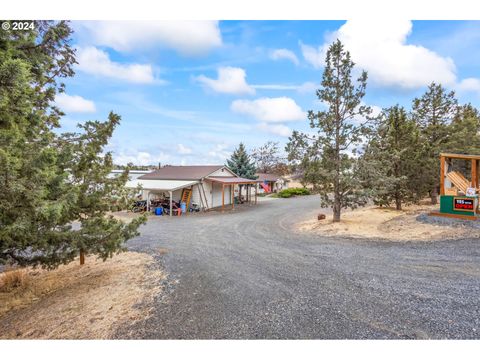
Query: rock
321	216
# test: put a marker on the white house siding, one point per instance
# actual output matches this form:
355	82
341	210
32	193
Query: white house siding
225	172
217	195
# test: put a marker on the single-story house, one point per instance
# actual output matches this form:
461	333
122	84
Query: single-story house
271	183
208	186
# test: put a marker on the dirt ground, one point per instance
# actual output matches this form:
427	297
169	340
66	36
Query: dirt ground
79	302
386	223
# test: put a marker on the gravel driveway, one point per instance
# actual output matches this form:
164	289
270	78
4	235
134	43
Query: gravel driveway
247	275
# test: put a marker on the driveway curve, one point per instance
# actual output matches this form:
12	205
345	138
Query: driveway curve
248	274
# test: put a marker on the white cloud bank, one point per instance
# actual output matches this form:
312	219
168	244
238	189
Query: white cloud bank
97	62
380	47
284	54
183	150
276	129
142	158
469	85
231	80
280	109
186	37
74	103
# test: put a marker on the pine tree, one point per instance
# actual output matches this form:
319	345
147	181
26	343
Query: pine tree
433	113
49	181
390	163
325	158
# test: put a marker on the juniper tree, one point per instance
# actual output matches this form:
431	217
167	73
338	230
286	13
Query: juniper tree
327	156
49	181
433	112
389	165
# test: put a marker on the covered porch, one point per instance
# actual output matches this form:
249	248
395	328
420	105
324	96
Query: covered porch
231	182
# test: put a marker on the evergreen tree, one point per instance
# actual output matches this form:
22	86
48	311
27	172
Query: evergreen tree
241	164
433	112
390	163
49	181
326	157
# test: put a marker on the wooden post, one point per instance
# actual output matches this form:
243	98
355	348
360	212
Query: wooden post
474	174
232	188
82	257
171	202
442	175
223	196
256	192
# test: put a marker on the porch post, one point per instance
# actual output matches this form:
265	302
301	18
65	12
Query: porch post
148	201
442	175
256	192
171	202
232	194
223	196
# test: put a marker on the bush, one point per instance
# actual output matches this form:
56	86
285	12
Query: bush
293	192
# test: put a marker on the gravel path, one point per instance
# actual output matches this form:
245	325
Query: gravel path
248	274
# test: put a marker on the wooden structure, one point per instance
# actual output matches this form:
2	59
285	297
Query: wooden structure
458	195
232	181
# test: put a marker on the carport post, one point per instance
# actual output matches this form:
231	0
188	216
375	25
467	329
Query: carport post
231	190
148	201
256	191
171	202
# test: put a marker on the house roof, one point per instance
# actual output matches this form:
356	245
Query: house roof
165	185
231	180
267	177
192	172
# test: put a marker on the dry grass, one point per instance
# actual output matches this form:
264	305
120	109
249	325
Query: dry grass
78	302
13	279
385	223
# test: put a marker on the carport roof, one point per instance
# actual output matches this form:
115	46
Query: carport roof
158	185
231	180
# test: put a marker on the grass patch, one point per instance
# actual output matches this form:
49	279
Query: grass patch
78	302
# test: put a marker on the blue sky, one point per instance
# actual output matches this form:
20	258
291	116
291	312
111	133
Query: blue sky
189	92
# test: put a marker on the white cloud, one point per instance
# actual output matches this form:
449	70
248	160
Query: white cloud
185	37
306	87
469	85
286	54
231	80
140	158
74	103
380	47
183	150
278	109
276	129
97	62
219	152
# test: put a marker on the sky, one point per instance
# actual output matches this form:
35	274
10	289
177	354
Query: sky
189	92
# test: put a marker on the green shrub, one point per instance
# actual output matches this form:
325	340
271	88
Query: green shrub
293	192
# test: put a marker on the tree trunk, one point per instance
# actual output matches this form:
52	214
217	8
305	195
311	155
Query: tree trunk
398	203
337	208
433	195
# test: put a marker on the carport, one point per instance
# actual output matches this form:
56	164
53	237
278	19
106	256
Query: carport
232	181
160	186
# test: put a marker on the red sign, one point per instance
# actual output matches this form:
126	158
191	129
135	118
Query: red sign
463	204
